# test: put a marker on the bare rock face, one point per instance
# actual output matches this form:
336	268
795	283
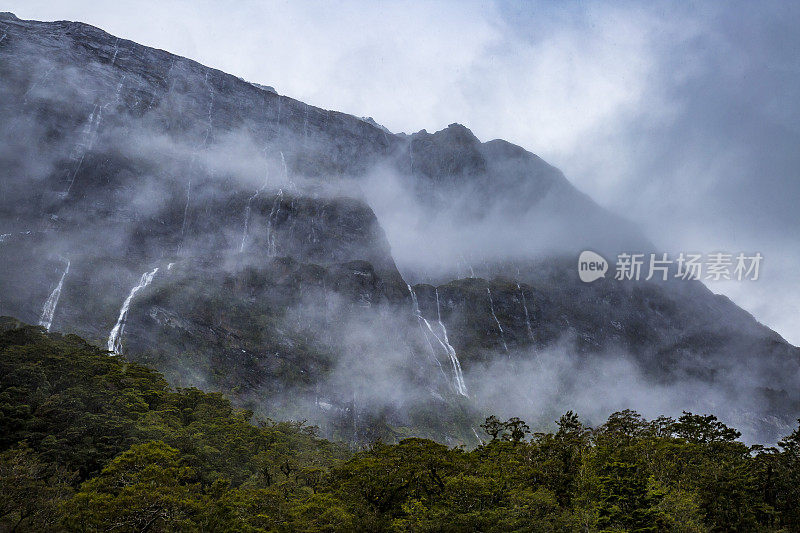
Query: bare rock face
276	282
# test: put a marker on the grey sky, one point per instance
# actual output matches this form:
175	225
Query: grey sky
681	117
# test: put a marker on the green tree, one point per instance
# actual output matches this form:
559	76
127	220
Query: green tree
144	489
31	491
787	480
703	429
494	427
517	429
625	503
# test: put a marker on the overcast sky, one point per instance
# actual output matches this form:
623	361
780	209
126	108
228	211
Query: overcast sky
682	117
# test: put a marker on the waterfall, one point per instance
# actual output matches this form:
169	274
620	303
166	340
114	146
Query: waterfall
285	168
115	337
116	49
276	208
210	125
202	146
247	210
50	304
118	91
355	420
36	84
414	301
422	325
305	126
85	143
480	440
491	307
289	183
246	222
527	315
461	387
468	266
459	384
186	208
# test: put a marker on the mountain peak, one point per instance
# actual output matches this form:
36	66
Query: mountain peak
136	165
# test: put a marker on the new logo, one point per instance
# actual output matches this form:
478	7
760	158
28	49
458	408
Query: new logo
591	266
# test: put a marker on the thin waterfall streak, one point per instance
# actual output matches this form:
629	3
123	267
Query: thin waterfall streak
114	343
499	327
305	126
289	183
461	386
527	315
186	208
276	209
210	124
50	304
85	143
116	49
203	145
247	210
246	224
420	321
36	84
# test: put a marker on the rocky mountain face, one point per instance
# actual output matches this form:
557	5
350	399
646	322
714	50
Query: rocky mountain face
243	241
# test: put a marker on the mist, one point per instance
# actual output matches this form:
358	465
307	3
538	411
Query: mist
286	237
682	123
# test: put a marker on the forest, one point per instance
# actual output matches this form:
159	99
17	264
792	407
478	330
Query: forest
92	442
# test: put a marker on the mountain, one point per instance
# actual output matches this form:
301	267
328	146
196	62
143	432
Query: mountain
313	265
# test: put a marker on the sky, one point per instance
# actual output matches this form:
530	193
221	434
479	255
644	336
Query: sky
682	117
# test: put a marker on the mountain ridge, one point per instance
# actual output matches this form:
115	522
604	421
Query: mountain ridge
317	266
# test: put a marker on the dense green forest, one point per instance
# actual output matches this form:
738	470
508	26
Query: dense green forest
90	442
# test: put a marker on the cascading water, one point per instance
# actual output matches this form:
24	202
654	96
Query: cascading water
116	49
468	266
118	91
276	208
247	210
115	337
186	208
85	143
461	387
491	307
414	300
527	315
210	124
423	324
34	85
289	182
202	146
285	168
305	126
50	304
458	382
480	440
